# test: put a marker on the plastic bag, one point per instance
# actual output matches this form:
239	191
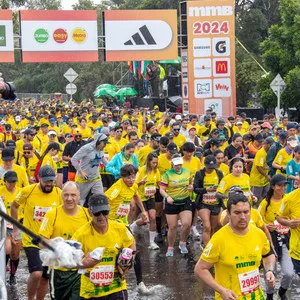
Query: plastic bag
68	254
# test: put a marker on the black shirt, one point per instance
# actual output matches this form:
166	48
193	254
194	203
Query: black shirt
70	149
232	152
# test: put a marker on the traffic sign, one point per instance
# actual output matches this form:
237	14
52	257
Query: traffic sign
278	84
71	88
70	75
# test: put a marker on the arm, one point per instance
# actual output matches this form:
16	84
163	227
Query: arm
198	184
111	166
14	214
277	166
139	203
287	222
164	193
202	271
269	265
263	173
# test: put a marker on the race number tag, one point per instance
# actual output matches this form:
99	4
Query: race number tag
102	275
123	210
209	198
149	191
39	213
249	281
281	229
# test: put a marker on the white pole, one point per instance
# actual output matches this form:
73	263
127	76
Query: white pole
278	103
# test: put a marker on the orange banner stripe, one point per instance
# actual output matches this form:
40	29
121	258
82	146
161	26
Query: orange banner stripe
60	56
7	56
58	15
6	14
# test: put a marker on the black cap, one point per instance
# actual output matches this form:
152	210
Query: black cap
155	136
11	144
290	126
8	154
172	148
7	127
220	122
214	142
258	137
10	176
98	202
283	135
47	173
207	118
269	140
210	162
169	135
278	179
44	125
29	131
27	146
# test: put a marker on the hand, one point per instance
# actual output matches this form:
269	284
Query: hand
210	189
254	199
15	234
271	227
294	223
190	188
228	295
89	262
270	278
145	217
170	200
84	175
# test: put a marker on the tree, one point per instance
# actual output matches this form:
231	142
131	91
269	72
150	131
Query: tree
281	54
44	4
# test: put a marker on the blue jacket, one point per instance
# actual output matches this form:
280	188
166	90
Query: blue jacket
116	163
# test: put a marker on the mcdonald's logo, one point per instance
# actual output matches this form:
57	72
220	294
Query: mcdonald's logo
221	67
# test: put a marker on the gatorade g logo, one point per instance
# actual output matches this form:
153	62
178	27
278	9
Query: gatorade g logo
60	35
221	47
79	35
41	35
2	36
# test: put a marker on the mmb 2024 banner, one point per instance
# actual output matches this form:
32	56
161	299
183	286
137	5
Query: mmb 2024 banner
59	36
6	36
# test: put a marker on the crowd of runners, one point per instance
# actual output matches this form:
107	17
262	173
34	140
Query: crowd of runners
96	174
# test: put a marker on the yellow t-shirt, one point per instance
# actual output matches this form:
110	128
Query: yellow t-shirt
269	215
290	209
193	165
257	179
148	190
143	153
163	130
120	196
179	140
86	133
230	180
117	236
177	183
224	168
22	176
163	163
49	161
234	257
282	158
210	180
8	199
36	204
31	166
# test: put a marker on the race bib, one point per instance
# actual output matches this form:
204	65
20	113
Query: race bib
209	198
281	229
39	213
123	210
102	275
9	226
249	281
149	191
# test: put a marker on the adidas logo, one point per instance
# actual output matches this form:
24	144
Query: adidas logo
142	37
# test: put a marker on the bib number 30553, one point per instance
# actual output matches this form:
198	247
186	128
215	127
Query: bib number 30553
102	275
249	281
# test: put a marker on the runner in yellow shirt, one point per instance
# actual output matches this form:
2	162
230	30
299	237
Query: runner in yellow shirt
235	252
102	279
220	158
64	221
37	199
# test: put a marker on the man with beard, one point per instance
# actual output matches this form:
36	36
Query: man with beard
154	145
36	200
70	149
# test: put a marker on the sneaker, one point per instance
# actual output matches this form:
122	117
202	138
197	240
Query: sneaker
159	238
153	246
183	249
195	232
170	252
12	280
142	289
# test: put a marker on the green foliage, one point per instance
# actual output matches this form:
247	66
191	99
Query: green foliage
44	4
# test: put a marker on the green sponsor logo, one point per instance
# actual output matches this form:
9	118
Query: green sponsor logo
2	36
41	35
245	264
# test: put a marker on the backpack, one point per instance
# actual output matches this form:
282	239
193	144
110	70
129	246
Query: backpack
36	172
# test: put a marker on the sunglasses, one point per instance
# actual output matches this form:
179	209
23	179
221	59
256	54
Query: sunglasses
26	152
77	136
119	131
103	212
176	129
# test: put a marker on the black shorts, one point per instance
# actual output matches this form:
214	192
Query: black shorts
296	264
107	180
214	209
175	209
158	197
122	295
149	204
34	261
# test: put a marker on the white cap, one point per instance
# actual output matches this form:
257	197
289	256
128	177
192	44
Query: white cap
178	117
177	161
18	118
52	132
293	143
239	123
